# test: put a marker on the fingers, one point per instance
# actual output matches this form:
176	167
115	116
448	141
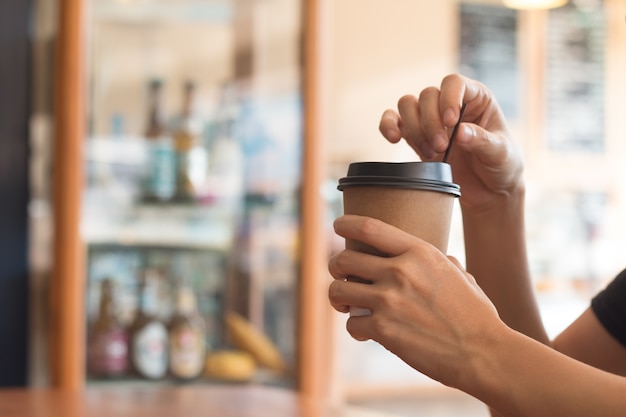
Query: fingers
421	123
390	126
490	149
351	264
425	122
344	294
455	89
382	236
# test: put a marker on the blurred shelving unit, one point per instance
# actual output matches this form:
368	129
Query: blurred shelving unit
239	240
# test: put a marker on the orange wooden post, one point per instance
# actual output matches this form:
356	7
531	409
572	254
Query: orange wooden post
67	315
314	330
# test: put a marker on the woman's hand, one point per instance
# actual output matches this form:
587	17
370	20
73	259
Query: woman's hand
425	308
485	162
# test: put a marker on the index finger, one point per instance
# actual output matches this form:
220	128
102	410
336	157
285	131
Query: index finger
456	89
382	236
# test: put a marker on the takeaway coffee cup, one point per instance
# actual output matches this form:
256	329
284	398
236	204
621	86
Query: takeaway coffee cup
417	197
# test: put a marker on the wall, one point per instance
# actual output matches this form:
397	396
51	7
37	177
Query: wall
380	52
383	50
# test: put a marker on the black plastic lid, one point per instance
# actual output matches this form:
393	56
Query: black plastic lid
430	176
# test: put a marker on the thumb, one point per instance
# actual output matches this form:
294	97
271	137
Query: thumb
491	148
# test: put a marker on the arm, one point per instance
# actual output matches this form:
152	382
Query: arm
488	166
598	336
432	314
518	376
496	255
588	341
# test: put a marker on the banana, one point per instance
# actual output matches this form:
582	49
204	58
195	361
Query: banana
230	365
246	337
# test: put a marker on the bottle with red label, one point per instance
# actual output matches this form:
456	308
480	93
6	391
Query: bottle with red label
187	346
107	351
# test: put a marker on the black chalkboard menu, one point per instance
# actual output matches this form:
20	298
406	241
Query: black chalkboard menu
575	79
488	51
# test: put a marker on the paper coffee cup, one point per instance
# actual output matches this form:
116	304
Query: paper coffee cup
417	197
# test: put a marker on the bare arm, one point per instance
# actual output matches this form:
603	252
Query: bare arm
433	315
496	255
521	377
487	165
588	341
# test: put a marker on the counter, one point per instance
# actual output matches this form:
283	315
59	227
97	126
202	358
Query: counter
187	401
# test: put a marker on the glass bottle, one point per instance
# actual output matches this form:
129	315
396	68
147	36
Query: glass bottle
187	331
227	161
148	336
191	156
161	165
107	352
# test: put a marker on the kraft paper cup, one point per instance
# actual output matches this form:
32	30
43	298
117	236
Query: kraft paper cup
417	197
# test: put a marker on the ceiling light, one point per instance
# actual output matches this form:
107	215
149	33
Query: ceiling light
534	4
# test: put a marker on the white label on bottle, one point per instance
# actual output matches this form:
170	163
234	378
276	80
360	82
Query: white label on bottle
150	350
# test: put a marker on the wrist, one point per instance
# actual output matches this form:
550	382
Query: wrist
487	375
502	203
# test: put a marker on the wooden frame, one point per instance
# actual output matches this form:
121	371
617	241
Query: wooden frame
67	345
67	312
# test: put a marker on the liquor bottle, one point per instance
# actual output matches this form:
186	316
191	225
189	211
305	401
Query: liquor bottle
187	330
148	336
107	352
191	156
227	160
161	167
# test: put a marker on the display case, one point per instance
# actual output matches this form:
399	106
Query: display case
185	161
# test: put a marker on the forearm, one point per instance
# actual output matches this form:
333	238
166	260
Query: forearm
520	377
496	256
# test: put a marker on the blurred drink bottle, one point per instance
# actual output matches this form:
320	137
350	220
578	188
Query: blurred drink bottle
107	352
160	175
187	330
191	156
148	338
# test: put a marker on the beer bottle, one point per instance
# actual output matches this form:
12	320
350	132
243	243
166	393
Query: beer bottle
161	165
107	351
191	156
148	339
187	346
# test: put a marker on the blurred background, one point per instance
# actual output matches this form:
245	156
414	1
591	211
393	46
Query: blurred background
195	153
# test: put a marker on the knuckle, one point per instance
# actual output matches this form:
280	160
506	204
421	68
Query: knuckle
406	100
451	78
368	226
342	264
428	92
381	327
334	291
388	299
333	265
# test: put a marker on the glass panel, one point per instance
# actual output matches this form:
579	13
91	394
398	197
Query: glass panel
194	167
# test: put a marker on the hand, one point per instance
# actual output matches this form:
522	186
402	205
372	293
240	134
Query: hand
425	308
485	162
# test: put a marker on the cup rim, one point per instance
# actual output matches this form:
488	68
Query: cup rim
433	176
